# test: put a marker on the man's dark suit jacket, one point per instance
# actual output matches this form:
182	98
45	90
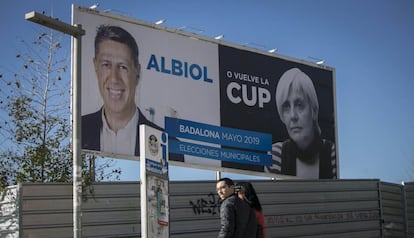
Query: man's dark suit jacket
92	126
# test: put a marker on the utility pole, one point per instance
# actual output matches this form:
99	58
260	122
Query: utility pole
76	32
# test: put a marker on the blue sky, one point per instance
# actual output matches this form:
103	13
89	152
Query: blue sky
369	43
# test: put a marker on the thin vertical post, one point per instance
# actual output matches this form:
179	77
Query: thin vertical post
218	175
76	136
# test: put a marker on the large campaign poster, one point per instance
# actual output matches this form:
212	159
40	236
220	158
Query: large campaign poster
178	78
223	89
248	85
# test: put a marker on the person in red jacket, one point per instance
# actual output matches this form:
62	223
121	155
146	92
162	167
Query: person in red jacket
245	191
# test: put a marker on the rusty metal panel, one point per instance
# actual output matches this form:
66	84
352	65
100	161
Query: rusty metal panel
108	210
194	209
393	210
409	201
292	208
319	208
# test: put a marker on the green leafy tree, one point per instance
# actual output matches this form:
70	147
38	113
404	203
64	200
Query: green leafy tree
35	128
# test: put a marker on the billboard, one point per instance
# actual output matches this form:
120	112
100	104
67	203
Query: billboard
135	72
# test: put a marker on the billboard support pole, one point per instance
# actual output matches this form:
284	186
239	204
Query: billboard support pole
76	32
76	138
218	175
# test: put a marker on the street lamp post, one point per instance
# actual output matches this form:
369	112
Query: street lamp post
76	32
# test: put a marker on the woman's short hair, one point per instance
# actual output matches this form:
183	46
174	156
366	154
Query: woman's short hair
295	78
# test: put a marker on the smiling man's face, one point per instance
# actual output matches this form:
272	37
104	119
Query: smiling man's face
117	77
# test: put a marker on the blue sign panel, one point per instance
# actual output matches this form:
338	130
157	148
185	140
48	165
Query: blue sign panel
218	135
224	154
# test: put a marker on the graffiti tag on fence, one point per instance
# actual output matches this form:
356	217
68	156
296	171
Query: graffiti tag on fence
323	217
208	205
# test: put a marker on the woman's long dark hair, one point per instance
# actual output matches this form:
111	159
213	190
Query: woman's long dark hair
250	195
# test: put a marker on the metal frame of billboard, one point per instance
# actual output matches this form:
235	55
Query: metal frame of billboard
226	46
